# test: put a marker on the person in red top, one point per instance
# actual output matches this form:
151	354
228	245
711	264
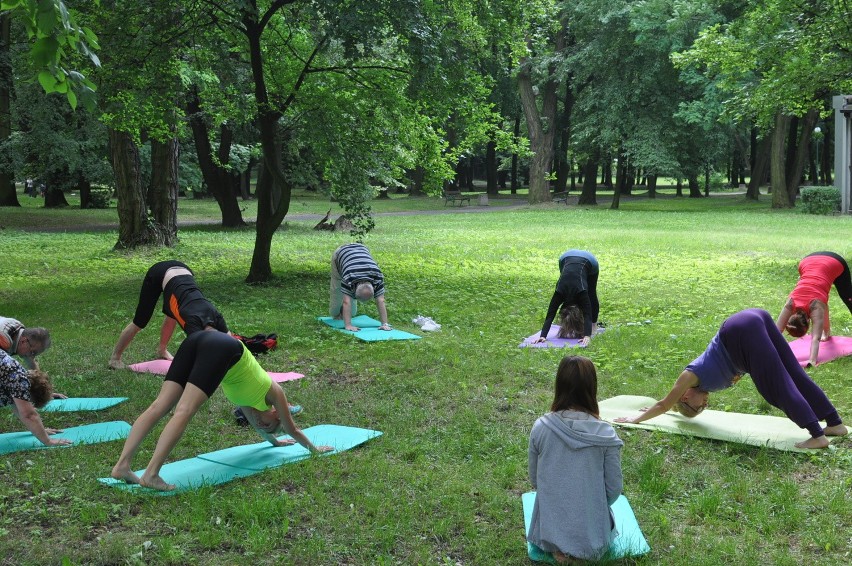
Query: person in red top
808	303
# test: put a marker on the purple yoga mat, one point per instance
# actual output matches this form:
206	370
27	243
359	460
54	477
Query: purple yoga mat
160	367
834	347
552	340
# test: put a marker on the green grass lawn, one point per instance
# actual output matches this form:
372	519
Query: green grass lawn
443	485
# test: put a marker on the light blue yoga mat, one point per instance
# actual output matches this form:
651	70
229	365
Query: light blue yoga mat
629	542
189	474
86	434
82	404
369	329
263	455
225	465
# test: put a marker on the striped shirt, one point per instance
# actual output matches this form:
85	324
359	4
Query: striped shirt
10	334
356	265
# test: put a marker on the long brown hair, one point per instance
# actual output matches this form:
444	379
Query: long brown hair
797	324
576	386
571	322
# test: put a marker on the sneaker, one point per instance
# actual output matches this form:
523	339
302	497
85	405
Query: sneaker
295	409
419	320
241	418
430	326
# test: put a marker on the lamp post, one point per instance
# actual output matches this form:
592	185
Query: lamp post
817	139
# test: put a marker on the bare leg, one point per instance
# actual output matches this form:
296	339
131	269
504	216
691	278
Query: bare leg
165	335
187	406
124	340
168	397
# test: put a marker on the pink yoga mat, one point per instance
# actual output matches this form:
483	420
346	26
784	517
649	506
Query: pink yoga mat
552	340
160	367
834	347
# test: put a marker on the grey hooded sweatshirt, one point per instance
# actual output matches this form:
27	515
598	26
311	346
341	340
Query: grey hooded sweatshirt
575	465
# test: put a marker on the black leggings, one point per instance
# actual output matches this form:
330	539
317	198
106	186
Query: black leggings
203	359
843	283
152	288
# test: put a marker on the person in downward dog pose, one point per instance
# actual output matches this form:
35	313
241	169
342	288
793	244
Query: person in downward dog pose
577	295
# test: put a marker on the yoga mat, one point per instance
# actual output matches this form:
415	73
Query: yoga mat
189	474
161	367
552	340
629	542
263	455
833	348
369	329
225	465
86	434
756	430
82	404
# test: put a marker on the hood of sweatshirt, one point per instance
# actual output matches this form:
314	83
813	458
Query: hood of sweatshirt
580	430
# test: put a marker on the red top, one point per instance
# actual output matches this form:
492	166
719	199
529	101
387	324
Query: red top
816	275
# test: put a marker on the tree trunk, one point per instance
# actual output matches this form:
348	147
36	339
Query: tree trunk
85	188
8	192
53	196
133	227
679	187
760	164
777	169
652	186
165	161
491	168
590	179
514	177
220	182
694	185
418	175
800	155
706	180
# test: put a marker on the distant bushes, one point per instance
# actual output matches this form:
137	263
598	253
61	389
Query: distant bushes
99	196
820	200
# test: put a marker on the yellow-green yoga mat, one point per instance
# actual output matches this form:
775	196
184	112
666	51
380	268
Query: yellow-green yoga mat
757	430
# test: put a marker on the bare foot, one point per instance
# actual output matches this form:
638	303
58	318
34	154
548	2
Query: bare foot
818	442
156	482
165	355
124	474
117	364
836	430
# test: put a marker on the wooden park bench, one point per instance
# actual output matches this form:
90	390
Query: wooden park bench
453	197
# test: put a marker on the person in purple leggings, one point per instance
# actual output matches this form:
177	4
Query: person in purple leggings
749	342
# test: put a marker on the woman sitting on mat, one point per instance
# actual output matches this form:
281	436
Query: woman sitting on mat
204	361
575	465
577	295
748	342
25	391
808	303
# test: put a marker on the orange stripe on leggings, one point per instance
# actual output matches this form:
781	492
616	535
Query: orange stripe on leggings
175	308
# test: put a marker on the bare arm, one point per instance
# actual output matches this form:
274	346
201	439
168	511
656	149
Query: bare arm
276	397
819	318
784	315
383	312
28	415
686	380
346	312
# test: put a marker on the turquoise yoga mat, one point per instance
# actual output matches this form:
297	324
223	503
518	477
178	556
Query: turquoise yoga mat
369	329
629	542
756	430
82	404
225	465
263	455
86	434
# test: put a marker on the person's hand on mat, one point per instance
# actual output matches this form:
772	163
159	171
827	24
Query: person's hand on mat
539	340
351	328
60	396
285	442
625	419
57	441
585	341
385	326
324	449
53	430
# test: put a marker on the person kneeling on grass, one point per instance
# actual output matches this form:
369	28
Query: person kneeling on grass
204	361
575	465
749	342
25	391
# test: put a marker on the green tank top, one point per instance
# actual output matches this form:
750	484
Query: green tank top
246	383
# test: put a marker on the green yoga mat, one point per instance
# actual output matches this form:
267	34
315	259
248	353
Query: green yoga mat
228	464
629	542
369	329
756	430
86	434
82	404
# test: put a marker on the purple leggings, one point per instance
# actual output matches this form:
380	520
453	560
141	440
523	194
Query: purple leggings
757	347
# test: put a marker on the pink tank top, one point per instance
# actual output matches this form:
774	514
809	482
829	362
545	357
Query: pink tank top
816	276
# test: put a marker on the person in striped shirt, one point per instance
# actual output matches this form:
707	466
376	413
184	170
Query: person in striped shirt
355	276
